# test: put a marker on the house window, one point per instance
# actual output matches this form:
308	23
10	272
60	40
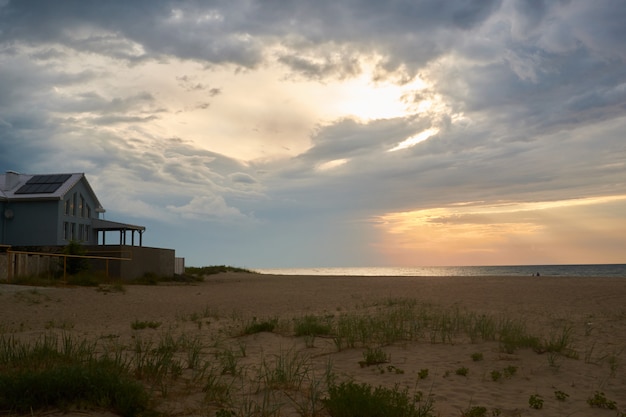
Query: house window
66	230
73	231
86	237
74	204
68	207
88	211
81	231
81	206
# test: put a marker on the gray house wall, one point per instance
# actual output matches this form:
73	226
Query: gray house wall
78	216
42	222
3	220
33	223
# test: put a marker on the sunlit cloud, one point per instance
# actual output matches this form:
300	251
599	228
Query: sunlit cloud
414	140
331	164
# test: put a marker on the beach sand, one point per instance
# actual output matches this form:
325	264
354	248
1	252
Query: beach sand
591	311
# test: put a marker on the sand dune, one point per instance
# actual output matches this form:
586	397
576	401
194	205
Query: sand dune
591	310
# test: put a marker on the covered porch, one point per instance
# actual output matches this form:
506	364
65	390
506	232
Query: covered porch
104	226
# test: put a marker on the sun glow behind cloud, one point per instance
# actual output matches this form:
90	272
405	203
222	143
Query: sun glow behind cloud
365	99
514	233
189	102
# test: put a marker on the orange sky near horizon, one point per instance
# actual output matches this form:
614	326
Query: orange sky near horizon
583	231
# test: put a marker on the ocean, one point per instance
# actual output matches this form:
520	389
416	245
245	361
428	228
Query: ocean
598	270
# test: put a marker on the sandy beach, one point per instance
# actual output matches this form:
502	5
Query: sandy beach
462	371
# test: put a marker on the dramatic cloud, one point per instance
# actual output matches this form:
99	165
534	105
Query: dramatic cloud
273	133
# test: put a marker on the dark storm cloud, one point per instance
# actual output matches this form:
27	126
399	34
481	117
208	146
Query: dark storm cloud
237	31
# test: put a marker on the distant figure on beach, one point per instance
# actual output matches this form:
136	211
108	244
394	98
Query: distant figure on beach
537	274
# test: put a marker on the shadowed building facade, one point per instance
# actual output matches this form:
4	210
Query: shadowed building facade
47	212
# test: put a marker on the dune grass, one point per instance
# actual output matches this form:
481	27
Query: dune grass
130	377
63	374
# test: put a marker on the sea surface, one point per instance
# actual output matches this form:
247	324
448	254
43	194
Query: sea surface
598	270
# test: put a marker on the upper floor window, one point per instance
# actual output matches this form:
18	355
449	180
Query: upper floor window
74	204
81	206
88	210
68	207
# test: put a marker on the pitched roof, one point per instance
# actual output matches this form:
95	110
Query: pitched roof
20	187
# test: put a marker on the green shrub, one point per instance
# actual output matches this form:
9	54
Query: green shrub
74	263
463	371
350	399
599	400
535	401
214	269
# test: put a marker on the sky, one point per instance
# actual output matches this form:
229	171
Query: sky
282	134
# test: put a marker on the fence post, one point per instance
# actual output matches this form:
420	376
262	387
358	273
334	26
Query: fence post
9	265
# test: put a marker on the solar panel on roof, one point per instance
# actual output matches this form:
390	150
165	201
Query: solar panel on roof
43	184
48	179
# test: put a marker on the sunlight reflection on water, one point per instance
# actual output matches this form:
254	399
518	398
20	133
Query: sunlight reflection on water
614	270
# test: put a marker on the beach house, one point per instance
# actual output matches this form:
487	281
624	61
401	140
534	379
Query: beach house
46	212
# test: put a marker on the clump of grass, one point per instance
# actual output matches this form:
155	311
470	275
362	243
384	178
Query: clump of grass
560	395
509	371
229	362
514	336
47	374
374	356
141	325
287	371
477	357
474	411
256	326
560	343
312	326
363	400
463	371
422	374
